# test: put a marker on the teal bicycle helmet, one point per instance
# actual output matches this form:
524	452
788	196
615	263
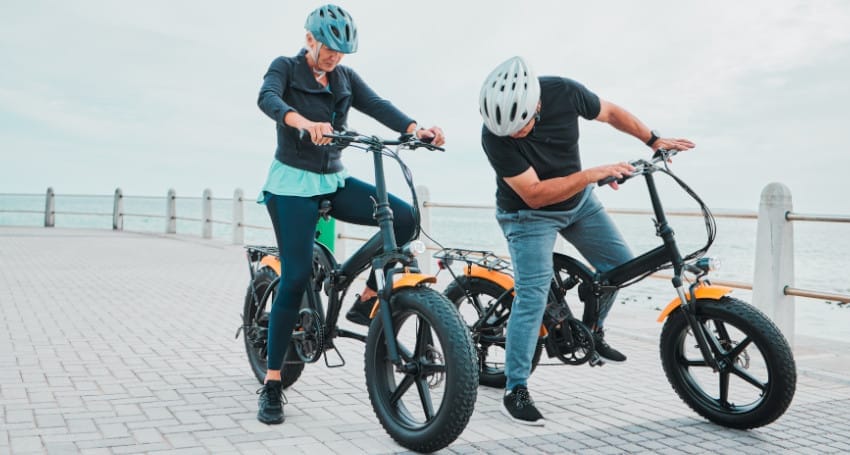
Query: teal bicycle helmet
333	27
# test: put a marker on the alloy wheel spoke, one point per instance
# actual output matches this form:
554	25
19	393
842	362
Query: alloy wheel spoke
739	348
425	398
402	388
698	362
746	376
424	338
724	388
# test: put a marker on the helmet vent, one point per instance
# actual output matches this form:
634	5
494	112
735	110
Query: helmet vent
513	112
498	115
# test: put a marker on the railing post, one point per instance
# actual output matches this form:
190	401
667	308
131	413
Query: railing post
118	211
423	196
49	208
238	218
774	263
206	217
171	212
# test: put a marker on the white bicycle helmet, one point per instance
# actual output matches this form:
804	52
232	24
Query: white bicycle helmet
509	97
333	27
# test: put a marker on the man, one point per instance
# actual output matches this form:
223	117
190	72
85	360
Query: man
530	136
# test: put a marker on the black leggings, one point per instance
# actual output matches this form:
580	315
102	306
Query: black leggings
294	219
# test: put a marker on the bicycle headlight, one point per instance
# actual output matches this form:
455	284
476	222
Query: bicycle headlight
415	248
709	264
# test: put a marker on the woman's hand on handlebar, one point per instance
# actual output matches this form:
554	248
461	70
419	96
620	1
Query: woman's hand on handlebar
610	174
433	135
316	130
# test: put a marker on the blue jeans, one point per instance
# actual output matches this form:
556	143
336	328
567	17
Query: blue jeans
531	239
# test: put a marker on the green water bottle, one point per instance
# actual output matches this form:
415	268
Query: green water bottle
325	230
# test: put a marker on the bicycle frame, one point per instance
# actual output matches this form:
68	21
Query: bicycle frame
603	282
706	343
416	341
343	275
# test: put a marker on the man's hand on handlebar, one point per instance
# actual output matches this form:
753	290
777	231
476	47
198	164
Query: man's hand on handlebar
610	174
668	143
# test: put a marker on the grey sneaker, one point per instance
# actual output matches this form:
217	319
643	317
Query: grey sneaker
271	403
519	407
604	349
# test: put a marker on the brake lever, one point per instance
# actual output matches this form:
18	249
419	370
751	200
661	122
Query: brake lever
417	142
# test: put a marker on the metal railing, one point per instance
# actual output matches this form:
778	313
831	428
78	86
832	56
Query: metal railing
773	291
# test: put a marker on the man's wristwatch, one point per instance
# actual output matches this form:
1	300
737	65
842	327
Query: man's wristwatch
653	136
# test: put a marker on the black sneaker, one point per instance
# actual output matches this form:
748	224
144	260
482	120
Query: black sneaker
519	407
271	403
360	311
604	349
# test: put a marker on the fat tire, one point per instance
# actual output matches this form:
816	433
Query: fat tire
779	363
461	372
293	367
455	292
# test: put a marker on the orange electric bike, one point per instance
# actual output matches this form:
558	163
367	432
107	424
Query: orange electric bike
723	357
420	364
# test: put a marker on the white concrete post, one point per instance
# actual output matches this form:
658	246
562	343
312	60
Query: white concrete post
423	196
774	266
171	212
49	208
238	218
206	217
339	242
118	211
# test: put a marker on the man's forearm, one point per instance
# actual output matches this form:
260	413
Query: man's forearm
626	122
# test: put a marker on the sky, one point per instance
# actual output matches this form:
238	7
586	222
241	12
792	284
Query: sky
158	95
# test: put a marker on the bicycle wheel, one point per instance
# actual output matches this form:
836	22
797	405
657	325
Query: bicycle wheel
757	376
426	404
488	334
256	329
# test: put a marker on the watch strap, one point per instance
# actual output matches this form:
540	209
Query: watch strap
653	136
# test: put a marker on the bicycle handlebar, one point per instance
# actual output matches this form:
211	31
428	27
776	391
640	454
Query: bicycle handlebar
407	140
642	166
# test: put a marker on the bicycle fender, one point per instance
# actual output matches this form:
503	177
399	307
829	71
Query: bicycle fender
409	280
271	261
274	261
703	292
500	278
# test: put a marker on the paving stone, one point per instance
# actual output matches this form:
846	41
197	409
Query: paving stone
158	370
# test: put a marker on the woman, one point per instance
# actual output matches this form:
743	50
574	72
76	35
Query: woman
309	95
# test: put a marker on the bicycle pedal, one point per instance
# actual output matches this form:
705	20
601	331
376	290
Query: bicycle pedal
596	360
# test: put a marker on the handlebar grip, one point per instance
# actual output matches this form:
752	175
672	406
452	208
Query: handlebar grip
610	179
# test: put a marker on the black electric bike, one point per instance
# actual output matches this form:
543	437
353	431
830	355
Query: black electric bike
420	364
723	357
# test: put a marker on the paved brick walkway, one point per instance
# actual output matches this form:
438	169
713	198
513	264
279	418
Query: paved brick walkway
116	342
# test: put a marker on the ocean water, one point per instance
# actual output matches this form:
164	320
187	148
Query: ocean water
821	249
